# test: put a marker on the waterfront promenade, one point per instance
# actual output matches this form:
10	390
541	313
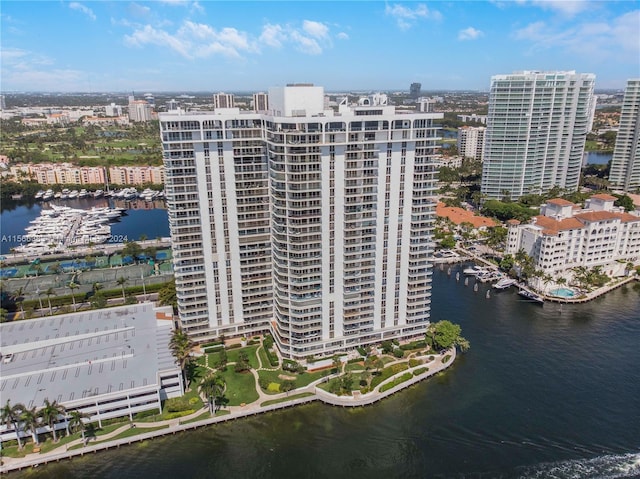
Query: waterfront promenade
202	418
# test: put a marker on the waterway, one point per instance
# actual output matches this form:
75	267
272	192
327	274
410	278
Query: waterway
545	392
142	218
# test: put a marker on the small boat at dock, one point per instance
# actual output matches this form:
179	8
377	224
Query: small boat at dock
531	296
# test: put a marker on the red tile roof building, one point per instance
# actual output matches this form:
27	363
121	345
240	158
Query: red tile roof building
564	236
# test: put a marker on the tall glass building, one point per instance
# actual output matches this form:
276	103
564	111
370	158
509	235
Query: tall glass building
536	131
625	165
313	224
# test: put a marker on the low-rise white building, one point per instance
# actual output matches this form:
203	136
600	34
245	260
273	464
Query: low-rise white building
565	236
105	363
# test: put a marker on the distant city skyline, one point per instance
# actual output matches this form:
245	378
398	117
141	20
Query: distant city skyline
175	45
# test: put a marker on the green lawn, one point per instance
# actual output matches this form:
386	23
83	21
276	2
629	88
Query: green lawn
264	358
395	382
386	373
233	354
241	387
301	380
354	367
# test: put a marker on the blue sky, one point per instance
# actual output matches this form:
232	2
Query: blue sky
247	46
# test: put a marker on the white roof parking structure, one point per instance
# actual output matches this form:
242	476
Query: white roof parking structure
73	357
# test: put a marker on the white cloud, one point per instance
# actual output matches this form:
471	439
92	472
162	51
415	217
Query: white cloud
565	7
193	6
26	70
406	16
469	34
305	44
616	39
273	35
82	8
199	40
311	38
138	10
315	29
195	40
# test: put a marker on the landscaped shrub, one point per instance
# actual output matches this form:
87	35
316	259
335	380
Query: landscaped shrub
292	366
354	360
361	351
419	371
414	362
287	385
177	404
398	353
143	414
446	358
274	387
414	345
234	346
178	414
263	382
267	342
387	347
271	356
251	342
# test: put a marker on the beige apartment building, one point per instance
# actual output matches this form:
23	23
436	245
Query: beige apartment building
136	175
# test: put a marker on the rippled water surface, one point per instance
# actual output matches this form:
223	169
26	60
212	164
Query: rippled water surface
545	392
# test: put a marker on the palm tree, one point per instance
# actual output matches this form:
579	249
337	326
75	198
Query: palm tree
50	292
50	414
18	298
212	387
73	286
10	416
75	421
180	345
31	420
121	282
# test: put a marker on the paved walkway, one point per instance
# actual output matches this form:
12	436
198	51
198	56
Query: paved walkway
172	426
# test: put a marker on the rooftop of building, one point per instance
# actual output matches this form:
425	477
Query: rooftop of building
73	356
604	197
561	202
460	215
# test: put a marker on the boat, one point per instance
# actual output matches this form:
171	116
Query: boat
475	287
98	193
475	270
58	196
73	195
458	276
129	193
504	283
531	296
83	193
48	195
488	295
39	195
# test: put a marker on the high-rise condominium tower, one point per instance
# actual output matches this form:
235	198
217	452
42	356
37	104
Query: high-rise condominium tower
312	224
625	166
536	131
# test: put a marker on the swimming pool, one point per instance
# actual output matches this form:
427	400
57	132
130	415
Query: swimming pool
563	293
